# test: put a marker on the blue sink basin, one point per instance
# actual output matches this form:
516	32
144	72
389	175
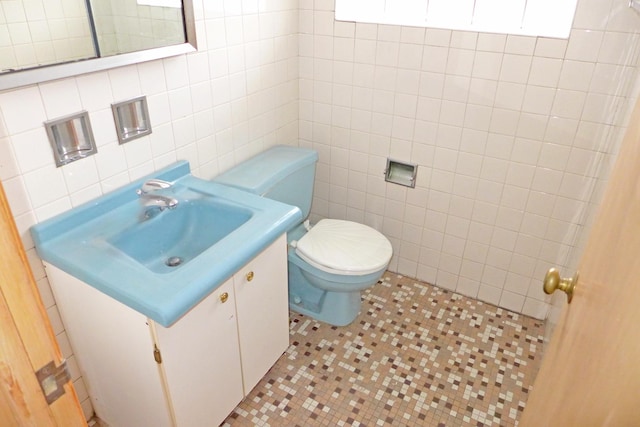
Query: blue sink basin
163	265
173	237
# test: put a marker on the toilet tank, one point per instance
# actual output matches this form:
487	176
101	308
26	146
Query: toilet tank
281	173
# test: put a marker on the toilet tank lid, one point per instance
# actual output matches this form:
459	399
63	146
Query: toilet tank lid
259	173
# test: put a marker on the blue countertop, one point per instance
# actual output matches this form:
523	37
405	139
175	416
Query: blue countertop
77	242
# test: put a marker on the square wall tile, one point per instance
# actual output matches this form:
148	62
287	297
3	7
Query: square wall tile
22	110
584	45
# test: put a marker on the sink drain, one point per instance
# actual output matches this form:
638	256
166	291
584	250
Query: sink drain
173	261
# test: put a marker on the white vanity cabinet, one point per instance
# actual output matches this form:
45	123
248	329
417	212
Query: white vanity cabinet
196	371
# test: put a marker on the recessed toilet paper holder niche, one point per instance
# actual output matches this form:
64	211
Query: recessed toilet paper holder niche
132	119
71	138
401	173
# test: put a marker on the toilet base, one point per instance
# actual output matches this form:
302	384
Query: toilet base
313	292
344	311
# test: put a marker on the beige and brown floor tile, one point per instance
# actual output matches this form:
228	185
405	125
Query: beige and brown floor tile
417	355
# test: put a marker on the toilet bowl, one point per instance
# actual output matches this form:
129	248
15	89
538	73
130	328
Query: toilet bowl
331	262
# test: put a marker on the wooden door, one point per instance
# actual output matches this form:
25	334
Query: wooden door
27	342
590	375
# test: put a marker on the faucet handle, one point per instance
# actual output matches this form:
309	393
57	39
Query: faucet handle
153	185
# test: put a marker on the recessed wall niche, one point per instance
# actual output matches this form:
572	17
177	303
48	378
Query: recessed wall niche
71	138
132	119
401	173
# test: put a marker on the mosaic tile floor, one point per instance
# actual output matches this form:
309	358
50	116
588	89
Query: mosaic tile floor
416	355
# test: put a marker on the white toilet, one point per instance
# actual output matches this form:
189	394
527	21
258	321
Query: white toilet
330	262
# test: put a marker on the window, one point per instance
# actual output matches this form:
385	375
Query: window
547	18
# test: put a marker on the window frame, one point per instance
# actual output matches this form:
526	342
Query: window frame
538	18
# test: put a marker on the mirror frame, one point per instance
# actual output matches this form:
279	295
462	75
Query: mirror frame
54	72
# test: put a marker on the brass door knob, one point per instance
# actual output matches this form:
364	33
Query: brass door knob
553	281
224	297
249	276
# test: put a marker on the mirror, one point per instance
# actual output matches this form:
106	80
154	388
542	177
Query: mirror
43	33
43	40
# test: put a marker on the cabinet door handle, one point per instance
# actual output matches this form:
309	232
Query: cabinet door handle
224	297
249	276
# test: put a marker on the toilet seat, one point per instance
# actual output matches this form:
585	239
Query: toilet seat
344	247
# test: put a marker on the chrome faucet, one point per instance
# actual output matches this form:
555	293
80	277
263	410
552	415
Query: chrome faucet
153	184
150	195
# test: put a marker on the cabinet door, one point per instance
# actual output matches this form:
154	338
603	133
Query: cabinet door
114	349
263	312
201	360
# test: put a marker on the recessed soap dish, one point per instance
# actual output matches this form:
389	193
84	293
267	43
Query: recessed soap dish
71	138
132	119
401	173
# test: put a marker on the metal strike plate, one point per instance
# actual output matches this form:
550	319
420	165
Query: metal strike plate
52	379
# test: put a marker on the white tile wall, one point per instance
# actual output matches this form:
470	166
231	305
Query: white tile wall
511	135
